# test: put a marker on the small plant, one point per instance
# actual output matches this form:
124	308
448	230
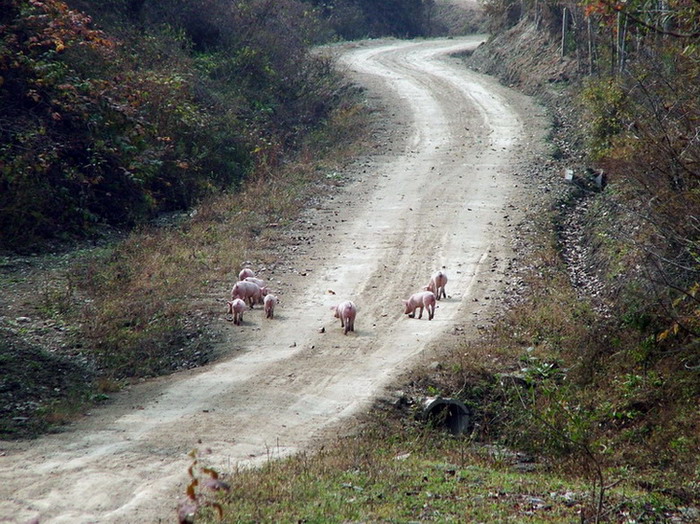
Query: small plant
537	370
201	477
57	298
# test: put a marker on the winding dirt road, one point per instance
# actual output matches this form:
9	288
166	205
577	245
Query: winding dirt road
434	197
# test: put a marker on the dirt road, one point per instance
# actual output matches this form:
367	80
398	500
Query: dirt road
433	197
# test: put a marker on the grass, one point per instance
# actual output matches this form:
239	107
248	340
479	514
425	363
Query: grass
395	474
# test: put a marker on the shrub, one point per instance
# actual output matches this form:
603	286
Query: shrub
179	101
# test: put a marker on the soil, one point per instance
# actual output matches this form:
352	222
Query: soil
446	186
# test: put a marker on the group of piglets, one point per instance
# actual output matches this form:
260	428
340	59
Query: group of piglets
435	290
250	290
426	299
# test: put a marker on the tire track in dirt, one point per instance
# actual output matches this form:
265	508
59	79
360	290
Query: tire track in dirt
435	200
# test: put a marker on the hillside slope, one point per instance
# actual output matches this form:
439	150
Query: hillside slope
624	244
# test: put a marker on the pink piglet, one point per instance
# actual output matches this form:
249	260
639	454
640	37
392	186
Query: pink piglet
346	312
418	301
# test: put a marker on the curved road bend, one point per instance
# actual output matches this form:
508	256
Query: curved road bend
434	199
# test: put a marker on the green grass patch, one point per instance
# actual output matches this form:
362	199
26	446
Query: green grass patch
415	477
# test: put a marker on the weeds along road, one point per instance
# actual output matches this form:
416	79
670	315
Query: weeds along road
433	196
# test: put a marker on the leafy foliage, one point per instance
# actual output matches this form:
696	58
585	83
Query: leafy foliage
605	104
113	128
91	136
649	124
168	102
